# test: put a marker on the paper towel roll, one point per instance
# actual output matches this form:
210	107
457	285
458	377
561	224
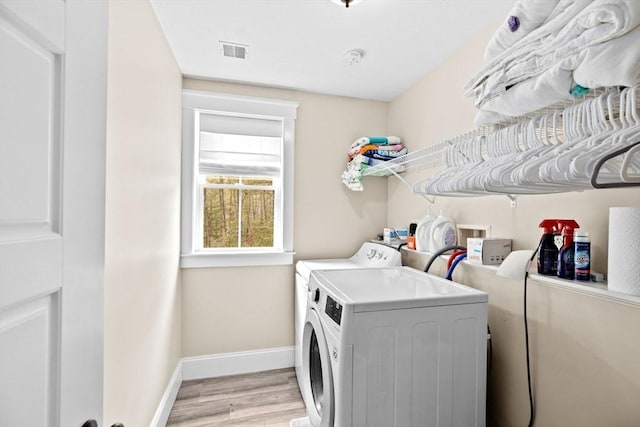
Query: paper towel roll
624	250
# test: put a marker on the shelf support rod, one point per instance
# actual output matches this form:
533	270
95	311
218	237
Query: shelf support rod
513	200
428	199
404	181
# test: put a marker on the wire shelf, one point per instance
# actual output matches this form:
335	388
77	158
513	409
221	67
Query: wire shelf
472	145
430	156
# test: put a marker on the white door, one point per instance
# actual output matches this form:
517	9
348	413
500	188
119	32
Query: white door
52	143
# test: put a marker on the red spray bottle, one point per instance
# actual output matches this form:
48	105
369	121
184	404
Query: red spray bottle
548	255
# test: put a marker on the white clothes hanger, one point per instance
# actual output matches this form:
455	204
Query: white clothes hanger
617	159
602	133
570	149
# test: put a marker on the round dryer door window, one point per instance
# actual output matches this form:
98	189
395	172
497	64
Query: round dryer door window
315	373
316	368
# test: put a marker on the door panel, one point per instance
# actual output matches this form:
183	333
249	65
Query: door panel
30	123
52	141
28	389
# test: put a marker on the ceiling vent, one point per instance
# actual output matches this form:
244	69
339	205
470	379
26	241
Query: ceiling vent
234	50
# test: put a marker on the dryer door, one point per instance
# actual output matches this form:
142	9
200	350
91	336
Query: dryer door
299	319
316	371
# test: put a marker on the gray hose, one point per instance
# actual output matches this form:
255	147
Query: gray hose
440	252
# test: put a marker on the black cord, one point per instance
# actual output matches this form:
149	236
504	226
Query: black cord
401	245
526	343
526	336
489	362
440	252
489	353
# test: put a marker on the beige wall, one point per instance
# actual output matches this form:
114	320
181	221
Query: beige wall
584	356
142	290
236	309
224	307
584	350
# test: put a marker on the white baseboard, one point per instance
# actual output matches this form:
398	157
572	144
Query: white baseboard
168	398
218	365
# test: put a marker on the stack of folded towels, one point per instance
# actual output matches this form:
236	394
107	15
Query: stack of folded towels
369	151
550	51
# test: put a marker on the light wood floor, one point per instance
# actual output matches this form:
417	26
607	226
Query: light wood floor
268	398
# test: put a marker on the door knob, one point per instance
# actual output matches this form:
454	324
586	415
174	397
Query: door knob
94	423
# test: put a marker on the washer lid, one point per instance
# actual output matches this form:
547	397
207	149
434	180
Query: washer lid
394	288
304	268
369	255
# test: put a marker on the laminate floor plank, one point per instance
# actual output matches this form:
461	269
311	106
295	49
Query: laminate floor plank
247	393
261	399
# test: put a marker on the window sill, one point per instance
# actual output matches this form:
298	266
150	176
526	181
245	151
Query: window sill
207	260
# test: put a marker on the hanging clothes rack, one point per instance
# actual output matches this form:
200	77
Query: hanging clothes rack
591	143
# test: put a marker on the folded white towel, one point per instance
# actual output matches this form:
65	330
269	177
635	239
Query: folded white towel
524	17
550	87
613	63
393	140
580	25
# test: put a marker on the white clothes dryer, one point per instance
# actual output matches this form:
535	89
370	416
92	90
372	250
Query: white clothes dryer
370	255
394	347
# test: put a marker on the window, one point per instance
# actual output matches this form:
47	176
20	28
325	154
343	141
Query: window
238	212
237	189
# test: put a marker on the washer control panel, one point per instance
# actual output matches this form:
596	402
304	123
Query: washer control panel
376	255
333	309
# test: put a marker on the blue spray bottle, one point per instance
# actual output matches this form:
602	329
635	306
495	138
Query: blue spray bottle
548	253
566	266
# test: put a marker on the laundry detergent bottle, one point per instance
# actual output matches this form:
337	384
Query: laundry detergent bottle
565	254
548	253
443	233
423	230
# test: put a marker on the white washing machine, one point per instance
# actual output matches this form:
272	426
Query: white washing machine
370	255
394	347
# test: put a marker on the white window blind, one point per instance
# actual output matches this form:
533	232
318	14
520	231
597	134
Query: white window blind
248	146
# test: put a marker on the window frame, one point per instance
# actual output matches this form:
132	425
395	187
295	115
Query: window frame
196	101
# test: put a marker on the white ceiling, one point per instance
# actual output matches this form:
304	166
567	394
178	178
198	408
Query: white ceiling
301	44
